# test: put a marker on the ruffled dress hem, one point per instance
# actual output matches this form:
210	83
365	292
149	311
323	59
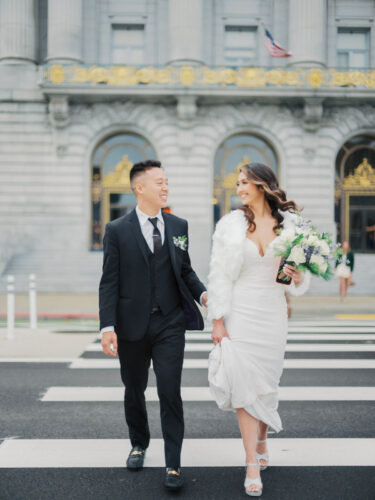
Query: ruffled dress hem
220	384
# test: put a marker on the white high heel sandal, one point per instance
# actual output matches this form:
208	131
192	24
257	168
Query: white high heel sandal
262	456
257	482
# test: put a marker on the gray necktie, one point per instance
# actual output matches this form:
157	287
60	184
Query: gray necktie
156	236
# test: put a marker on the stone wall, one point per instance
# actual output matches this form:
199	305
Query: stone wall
45	146
45	197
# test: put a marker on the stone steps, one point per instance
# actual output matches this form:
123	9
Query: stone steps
80	273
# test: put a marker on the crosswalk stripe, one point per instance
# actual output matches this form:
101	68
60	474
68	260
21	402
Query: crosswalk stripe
207	347
352	333
319	329
114	394
72	453
299	336
331	322
85	363
329	336
37	360
331	329
330	347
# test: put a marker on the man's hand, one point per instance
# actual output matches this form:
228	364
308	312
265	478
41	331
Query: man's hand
109	343
204	299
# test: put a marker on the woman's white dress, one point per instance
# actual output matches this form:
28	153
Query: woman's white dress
245	370
342	270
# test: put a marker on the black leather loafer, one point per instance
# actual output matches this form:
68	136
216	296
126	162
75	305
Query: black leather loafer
173	479
136	458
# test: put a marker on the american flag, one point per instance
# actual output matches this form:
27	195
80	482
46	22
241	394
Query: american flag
273	48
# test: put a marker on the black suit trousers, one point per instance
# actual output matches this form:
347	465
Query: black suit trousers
164	344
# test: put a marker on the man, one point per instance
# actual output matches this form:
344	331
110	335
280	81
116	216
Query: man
146	300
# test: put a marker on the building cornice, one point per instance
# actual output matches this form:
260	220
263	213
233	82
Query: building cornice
79	80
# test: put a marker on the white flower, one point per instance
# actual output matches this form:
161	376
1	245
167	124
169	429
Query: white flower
288	235
313	240
324	247
320	262
297	255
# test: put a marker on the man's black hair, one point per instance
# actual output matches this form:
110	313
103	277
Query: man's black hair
143	166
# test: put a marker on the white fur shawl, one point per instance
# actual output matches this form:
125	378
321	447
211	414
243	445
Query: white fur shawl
227	258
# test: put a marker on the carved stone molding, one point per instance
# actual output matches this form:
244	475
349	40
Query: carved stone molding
312	114
309	144
360	116
186	109
185	140
58	108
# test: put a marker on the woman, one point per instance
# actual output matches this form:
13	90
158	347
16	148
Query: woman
344	268
249	312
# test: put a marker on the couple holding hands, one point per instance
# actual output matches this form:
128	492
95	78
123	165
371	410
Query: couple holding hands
147	298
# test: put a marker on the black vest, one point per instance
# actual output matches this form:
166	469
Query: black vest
165	293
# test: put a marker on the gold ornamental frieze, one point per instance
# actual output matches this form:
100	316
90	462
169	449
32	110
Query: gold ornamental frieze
188	76
362	177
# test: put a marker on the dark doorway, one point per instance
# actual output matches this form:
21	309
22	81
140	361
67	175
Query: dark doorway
362	223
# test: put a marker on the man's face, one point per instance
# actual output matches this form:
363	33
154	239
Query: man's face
152	188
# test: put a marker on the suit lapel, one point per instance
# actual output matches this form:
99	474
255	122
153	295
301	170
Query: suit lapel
134	222
172	249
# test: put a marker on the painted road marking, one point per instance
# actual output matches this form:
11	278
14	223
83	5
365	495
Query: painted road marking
90	453
207	347
84	363
116	394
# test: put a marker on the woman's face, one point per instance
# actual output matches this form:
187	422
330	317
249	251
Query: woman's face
247	190
345	246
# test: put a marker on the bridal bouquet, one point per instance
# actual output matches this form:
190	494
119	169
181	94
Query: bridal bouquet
304	248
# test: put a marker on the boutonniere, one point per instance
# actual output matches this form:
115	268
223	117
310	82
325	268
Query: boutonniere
180	242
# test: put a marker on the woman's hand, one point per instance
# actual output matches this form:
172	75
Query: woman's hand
218	331
293	273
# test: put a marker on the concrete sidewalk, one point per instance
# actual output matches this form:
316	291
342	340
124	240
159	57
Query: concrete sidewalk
45	343
86	306
325	307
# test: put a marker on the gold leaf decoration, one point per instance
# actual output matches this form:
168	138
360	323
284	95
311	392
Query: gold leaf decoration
120	176
362	177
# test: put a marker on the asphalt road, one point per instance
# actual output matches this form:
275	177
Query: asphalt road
24	416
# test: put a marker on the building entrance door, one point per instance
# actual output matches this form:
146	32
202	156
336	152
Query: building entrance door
362	223
355	194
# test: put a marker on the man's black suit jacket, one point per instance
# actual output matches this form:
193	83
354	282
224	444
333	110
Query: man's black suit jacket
125	292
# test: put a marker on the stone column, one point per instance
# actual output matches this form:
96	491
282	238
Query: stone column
185	30
17	31
308	32
64	31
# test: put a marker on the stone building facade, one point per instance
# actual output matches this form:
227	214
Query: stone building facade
88	87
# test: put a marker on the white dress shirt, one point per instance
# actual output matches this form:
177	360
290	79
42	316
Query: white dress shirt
147	229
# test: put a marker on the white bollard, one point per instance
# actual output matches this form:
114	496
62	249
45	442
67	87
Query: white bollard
32	302
10	311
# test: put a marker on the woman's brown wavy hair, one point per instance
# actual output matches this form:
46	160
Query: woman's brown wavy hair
265	179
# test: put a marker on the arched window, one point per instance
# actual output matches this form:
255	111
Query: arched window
234	152
355	193
111	195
